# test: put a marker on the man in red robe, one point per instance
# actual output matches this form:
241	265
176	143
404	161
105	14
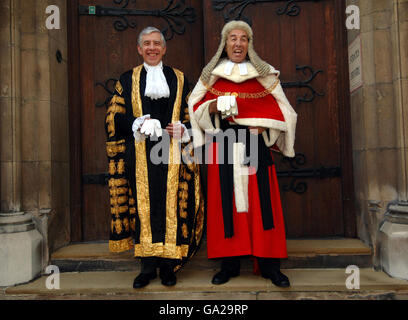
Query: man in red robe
240	93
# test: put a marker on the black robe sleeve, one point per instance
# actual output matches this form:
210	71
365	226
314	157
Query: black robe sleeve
122	203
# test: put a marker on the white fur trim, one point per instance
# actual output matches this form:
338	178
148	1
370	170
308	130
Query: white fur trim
261	122
203	116
286	139
240	178
273	136
186	136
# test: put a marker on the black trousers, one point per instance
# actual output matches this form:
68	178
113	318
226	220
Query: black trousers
150	264
266	265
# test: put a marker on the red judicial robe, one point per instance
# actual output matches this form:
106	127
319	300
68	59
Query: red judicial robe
249	237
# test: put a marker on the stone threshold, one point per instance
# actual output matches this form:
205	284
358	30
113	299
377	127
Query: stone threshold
196	284
302	253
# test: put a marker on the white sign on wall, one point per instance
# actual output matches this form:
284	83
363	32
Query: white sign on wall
355	65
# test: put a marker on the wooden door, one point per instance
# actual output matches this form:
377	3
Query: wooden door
305	40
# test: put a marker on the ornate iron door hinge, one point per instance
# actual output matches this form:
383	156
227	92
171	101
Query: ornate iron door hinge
297	173
175	14
235	12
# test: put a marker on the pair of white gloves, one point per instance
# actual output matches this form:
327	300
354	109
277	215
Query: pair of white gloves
227	105
144	126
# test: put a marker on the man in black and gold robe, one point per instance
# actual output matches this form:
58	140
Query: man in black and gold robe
155	204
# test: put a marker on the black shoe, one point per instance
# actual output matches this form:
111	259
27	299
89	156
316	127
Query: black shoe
278	278
167	276
143	279
223	276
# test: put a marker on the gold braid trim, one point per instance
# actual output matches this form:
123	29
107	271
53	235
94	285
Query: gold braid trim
173	171
117	182
114	191
161	250
121	245
184	231
112	110
117	210
199	206
142	180
118	87
116	99
121	166
115	201
115	108
115	147
243	95
112	167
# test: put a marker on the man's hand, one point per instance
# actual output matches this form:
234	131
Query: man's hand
175	130
256	130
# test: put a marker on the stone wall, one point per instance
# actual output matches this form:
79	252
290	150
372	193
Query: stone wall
34	152
379	117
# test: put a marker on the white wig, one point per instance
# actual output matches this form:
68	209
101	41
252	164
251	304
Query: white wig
261	66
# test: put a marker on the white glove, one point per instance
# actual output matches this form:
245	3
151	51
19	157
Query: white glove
138	122
151	127
227	105
136	127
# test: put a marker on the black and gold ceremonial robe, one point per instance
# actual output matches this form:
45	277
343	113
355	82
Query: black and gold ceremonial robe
155	208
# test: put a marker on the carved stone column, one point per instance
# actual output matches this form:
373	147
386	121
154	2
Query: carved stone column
20	242
380	133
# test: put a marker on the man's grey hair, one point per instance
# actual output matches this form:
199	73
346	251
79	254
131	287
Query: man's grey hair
149	30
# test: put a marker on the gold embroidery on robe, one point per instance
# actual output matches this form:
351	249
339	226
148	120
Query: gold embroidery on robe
173	171
118	87
117	210
184	230
142	181
117	182
133	223
114	191
118	226
112	167
115	147
120	245
126	223
121	166
116	99
112	110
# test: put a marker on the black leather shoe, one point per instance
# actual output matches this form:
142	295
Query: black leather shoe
223	276
143	279
278	279
167	276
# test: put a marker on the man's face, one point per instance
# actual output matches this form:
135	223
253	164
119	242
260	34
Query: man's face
237	45
152	49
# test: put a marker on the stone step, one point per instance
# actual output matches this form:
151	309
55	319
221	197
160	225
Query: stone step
196	284
302	253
